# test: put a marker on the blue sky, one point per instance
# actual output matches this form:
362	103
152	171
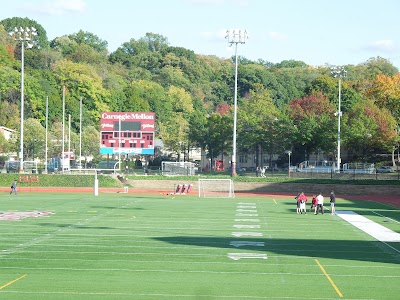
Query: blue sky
318	32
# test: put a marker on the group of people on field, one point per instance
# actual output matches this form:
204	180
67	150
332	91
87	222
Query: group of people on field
317	203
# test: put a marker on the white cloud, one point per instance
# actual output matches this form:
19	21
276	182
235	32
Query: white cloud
277	36
58	7
219	2
383	45
216	36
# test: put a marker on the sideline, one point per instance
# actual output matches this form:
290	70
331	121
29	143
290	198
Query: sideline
330	279
377	231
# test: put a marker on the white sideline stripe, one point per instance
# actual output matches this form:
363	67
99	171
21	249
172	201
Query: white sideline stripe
386	217
379	232
247	203
247	210
246	206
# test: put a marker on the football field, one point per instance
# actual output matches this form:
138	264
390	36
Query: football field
142	246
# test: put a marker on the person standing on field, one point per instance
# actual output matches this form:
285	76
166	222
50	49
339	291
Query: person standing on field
332	201
297	203
14	187
302	199
320	204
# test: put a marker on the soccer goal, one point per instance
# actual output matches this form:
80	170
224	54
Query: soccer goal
177	168
216	188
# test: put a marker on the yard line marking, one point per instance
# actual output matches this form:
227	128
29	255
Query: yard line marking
275	201
238	234
246	243
385	217
377	231
240	226
246	206
247	220
247	203
12	281
247	210
237	256
329	278
246	215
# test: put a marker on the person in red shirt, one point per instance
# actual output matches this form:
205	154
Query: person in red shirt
313	202
302	199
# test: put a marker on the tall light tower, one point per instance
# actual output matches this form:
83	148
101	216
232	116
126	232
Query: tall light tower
235	37
23	35
338	72
288	152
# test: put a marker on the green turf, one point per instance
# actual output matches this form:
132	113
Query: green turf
124	246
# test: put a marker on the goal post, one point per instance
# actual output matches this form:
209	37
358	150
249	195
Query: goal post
177	168
216	188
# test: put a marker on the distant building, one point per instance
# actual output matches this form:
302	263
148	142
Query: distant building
8	133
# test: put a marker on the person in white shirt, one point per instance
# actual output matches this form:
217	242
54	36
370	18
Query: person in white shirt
320	204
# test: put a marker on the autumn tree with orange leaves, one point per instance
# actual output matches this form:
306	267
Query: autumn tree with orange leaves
314	123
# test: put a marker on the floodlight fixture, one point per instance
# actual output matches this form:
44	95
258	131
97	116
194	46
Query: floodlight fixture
338	72
23	35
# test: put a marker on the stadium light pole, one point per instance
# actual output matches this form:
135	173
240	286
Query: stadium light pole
235	37
23	35
288	152
338	72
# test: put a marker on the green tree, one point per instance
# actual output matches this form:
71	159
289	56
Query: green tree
34	139
40	39
313	117
259	124
368	129
82	80
90	142
218	137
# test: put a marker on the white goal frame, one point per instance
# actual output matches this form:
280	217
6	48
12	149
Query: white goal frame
216	188
177	168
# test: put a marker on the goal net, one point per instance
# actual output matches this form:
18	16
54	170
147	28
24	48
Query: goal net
177	168
216	188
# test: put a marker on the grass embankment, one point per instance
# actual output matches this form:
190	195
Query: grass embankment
51	180
61	180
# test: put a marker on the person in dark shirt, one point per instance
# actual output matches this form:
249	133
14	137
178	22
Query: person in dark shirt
332	201
14	187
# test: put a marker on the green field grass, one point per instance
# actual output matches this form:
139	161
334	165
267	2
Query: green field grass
125	246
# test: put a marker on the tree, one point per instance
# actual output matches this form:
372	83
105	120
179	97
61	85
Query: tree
82	80
34	139
174	132
218	137
368	130
259	122
5	146
291	64
379	66
90	142
385	90
91	40
40	39
180	99
313	118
